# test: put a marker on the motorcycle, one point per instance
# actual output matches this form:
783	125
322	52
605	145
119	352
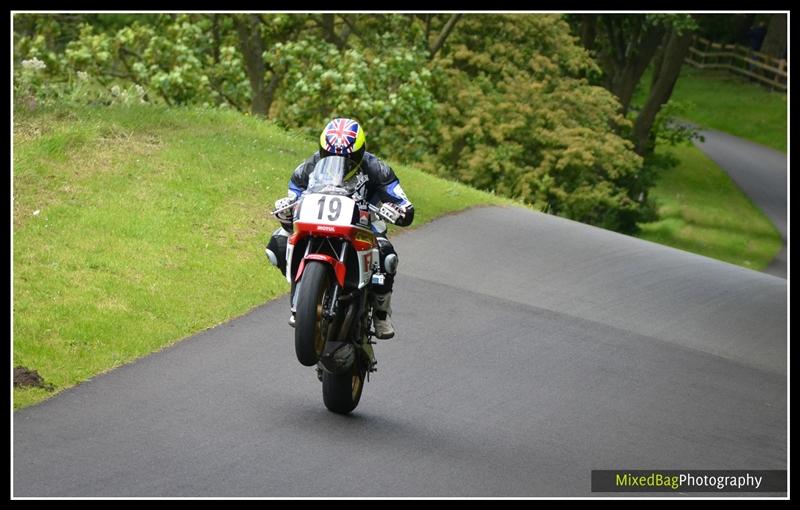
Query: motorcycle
332	259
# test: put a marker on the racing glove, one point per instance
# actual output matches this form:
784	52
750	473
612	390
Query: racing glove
284	213
391	212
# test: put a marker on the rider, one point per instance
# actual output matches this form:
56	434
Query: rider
345	137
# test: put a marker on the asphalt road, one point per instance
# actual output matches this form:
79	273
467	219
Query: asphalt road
761	173
530	350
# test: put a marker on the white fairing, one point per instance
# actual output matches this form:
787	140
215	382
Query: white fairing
289	272
365	260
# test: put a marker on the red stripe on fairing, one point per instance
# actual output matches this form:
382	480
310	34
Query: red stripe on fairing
301	227
339	269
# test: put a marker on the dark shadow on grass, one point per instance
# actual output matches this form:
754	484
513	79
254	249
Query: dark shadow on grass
756	233
665	234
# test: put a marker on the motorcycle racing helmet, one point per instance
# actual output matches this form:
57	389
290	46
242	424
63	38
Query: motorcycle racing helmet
344	137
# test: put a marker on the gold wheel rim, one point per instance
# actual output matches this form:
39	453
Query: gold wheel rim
319	339
355	384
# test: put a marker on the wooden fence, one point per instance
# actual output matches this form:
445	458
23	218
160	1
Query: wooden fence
740	60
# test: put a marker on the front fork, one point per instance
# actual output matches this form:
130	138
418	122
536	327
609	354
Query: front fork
330	312
364	342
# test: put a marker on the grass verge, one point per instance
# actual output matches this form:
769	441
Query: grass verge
135	227
703	211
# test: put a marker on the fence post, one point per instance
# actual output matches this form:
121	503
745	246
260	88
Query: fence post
749	65
698	42
704	44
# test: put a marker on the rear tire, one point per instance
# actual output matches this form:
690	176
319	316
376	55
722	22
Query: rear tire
310	329
341	393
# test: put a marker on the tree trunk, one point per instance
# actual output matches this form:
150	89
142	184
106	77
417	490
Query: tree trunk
252	47
274	81
658	61
329	30
588	30
623	85
448	27
775	40
674	55
428	18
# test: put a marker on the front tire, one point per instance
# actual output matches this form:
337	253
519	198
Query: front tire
310	326
341	393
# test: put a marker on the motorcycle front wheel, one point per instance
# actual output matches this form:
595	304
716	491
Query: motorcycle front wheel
310	327
341	393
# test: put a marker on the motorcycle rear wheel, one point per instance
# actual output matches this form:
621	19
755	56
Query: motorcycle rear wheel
341	393
310	326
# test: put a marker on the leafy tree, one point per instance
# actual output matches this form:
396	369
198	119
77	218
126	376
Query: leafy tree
385	84
518	117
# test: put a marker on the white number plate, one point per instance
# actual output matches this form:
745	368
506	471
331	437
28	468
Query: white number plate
327	209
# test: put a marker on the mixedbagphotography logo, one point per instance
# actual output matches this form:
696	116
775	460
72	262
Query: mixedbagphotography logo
610	480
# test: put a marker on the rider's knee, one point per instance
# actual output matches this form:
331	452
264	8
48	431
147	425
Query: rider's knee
390	263
276	249
389	259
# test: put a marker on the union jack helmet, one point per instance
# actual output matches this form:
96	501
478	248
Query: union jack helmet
343	137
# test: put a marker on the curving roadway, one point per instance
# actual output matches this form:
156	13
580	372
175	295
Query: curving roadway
761	173
530	350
